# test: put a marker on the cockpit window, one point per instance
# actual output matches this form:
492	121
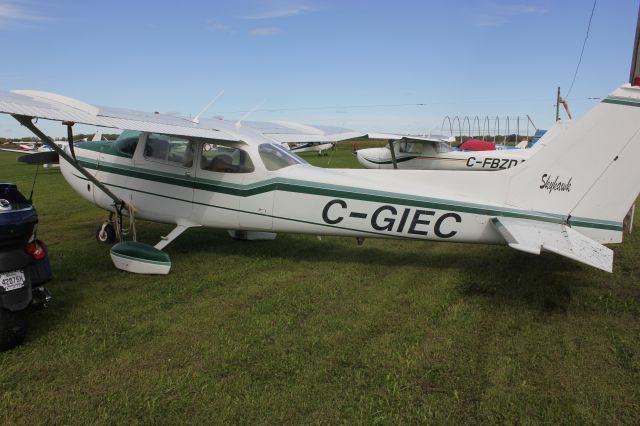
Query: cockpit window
174	150
225	159
127	142
276	158
410	147
442	147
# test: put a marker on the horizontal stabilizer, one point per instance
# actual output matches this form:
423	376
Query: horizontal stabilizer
47	157
533	237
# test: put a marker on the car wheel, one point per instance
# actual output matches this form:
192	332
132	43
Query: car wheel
106	233
13	327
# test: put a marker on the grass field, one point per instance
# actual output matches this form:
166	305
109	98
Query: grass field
301	330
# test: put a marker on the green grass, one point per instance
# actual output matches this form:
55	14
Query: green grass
301	330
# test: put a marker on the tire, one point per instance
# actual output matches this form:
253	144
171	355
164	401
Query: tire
13	327
106	235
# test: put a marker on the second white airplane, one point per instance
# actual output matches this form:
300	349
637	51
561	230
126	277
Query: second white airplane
436	153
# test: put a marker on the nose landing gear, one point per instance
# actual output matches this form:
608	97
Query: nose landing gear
106	233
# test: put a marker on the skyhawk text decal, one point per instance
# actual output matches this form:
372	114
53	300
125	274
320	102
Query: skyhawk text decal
550	184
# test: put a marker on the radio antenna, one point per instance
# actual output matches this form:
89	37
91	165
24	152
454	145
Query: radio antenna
244	117
197	117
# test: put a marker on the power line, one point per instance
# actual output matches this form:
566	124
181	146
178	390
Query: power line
584	44
419	104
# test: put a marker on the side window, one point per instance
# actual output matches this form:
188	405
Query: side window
157	147
181	152
224	159
409	147
442	147
172	150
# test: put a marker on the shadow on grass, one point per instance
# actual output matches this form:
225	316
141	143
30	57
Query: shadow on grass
498	274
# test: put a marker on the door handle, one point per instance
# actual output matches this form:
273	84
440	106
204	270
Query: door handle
187	173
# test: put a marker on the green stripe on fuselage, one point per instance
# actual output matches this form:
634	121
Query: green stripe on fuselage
617	100
336	191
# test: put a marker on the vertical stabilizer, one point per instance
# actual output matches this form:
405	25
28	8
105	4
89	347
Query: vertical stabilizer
590	174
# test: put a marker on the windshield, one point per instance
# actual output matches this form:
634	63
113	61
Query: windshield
127	142
276	158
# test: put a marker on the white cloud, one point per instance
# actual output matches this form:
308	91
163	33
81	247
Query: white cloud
265	31
500	14
217	26
13	11
520	9
272	9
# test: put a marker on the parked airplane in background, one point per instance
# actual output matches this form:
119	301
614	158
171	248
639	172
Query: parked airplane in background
436	153
22	147
34	147
30	148
322	148
569	199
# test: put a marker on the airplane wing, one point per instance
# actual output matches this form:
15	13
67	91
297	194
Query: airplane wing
410	138
533	237
51	106
286	132
21	151
61	108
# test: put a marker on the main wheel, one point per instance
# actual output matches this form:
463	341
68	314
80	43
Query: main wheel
13	327
106	233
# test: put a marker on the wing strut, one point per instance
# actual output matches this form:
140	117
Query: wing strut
27	122
69	125
393	154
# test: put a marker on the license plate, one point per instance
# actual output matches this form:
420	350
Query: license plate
12	280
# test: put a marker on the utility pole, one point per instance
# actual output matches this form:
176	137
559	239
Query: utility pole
558	105
634	79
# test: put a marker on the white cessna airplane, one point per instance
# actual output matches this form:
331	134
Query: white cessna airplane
322	148
436	153
569	199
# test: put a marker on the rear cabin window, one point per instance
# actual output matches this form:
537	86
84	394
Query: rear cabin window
225	159
276	158
173	150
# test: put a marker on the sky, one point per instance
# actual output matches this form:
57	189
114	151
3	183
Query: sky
398	66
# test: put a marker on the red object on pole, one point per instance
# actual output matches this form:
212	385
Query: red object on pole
636	81
565	104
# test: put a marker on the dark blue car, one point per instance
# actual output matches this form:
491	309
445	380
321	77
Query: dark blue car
24	265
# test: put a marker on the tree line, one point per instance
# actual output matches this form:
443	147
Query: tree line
88	136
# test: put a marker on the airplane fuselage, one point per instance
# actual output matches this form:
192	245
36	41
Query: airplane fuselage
297	198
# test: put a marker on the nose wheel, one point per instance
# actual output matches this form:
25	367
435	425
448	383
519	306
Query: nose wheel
106	233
